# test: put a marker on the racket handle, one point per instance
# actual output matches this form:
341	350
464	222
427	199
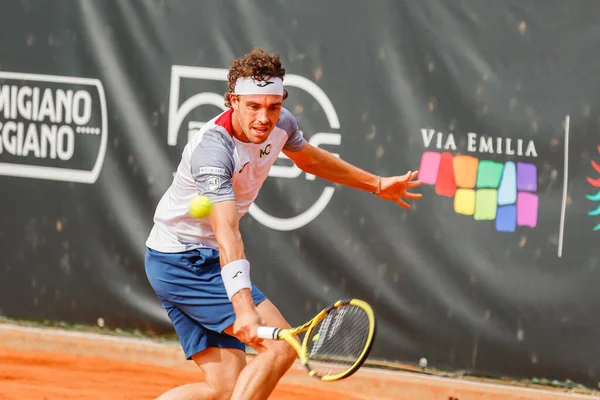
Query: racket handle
267	332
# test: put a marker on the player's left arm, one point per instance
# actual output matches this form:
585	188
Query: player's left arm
325	165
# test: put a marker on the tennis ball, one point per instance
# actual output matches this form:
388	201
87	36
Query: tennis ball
423	362
200	207
316	337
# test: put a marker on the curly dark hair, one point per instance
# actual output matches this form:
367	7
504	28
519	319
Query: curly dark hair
258	64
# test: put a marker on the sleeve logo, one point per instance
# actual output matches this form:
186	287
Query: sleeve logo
213	184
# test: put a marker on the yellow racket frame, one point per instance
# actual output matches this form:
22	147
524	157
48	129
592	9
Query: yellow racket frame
289	335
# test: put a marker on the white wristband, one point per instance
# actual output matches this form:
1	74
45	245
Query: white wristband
236	276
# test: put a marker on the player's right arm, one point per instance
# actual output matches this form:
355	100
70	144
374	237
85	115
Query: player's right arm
225	222
212	167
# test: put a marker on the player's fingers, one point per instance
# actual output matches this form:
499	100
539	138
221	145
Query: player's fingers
413	184
402	203
252	339
247	334
255	339
408	177
409	195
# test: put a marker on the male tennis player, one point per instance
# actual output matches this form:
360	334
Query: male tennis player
198	267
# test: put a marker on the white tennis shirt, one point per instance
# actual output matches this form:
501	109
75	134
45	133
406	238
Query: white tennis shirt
216	164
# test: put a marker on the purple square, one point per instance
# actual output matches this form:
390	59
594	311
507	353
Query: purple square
527	209
526	177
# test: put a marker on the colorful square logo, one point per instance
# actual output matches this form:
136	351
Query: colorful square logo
484	189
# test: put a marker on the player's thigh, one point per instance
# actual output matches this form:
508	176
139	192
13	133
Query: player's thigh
221	366
271	315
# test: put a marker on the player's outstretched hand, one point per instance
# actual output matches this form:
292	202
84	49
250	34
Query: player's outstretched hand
395	188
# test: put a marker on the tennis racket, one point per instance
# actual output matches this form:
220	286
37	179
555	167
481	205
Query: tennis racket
336	342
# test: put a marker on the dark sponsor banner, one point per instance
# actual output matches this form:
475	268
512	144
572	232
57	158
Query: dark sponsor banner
494	271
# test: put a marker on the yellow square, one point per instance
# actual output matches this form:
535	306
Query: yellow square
464	201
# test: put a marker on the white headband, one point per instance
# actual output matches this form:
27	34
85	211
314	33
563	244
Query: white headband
267	86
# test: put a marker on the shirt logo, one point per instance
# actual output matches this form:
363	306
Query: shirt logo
266	151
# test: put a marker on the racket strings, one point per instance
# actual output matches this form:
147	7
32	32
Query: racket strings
338	340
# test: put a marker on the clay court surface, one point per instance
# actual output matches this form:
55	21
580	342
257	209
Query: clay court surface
53	364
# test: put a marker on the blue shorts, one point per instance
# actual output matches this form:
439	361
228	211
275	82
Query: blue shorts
191	289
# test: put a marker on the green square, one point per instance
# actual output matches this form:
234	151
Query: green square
486	203
489	174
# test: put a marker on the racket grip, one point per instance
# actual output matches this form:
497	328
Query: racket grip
267	332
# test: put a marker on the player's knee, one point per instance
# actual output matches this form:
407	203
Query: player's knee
285	353
223	390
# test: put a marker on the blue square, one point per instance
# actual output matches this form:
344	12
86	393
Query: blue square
506	218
